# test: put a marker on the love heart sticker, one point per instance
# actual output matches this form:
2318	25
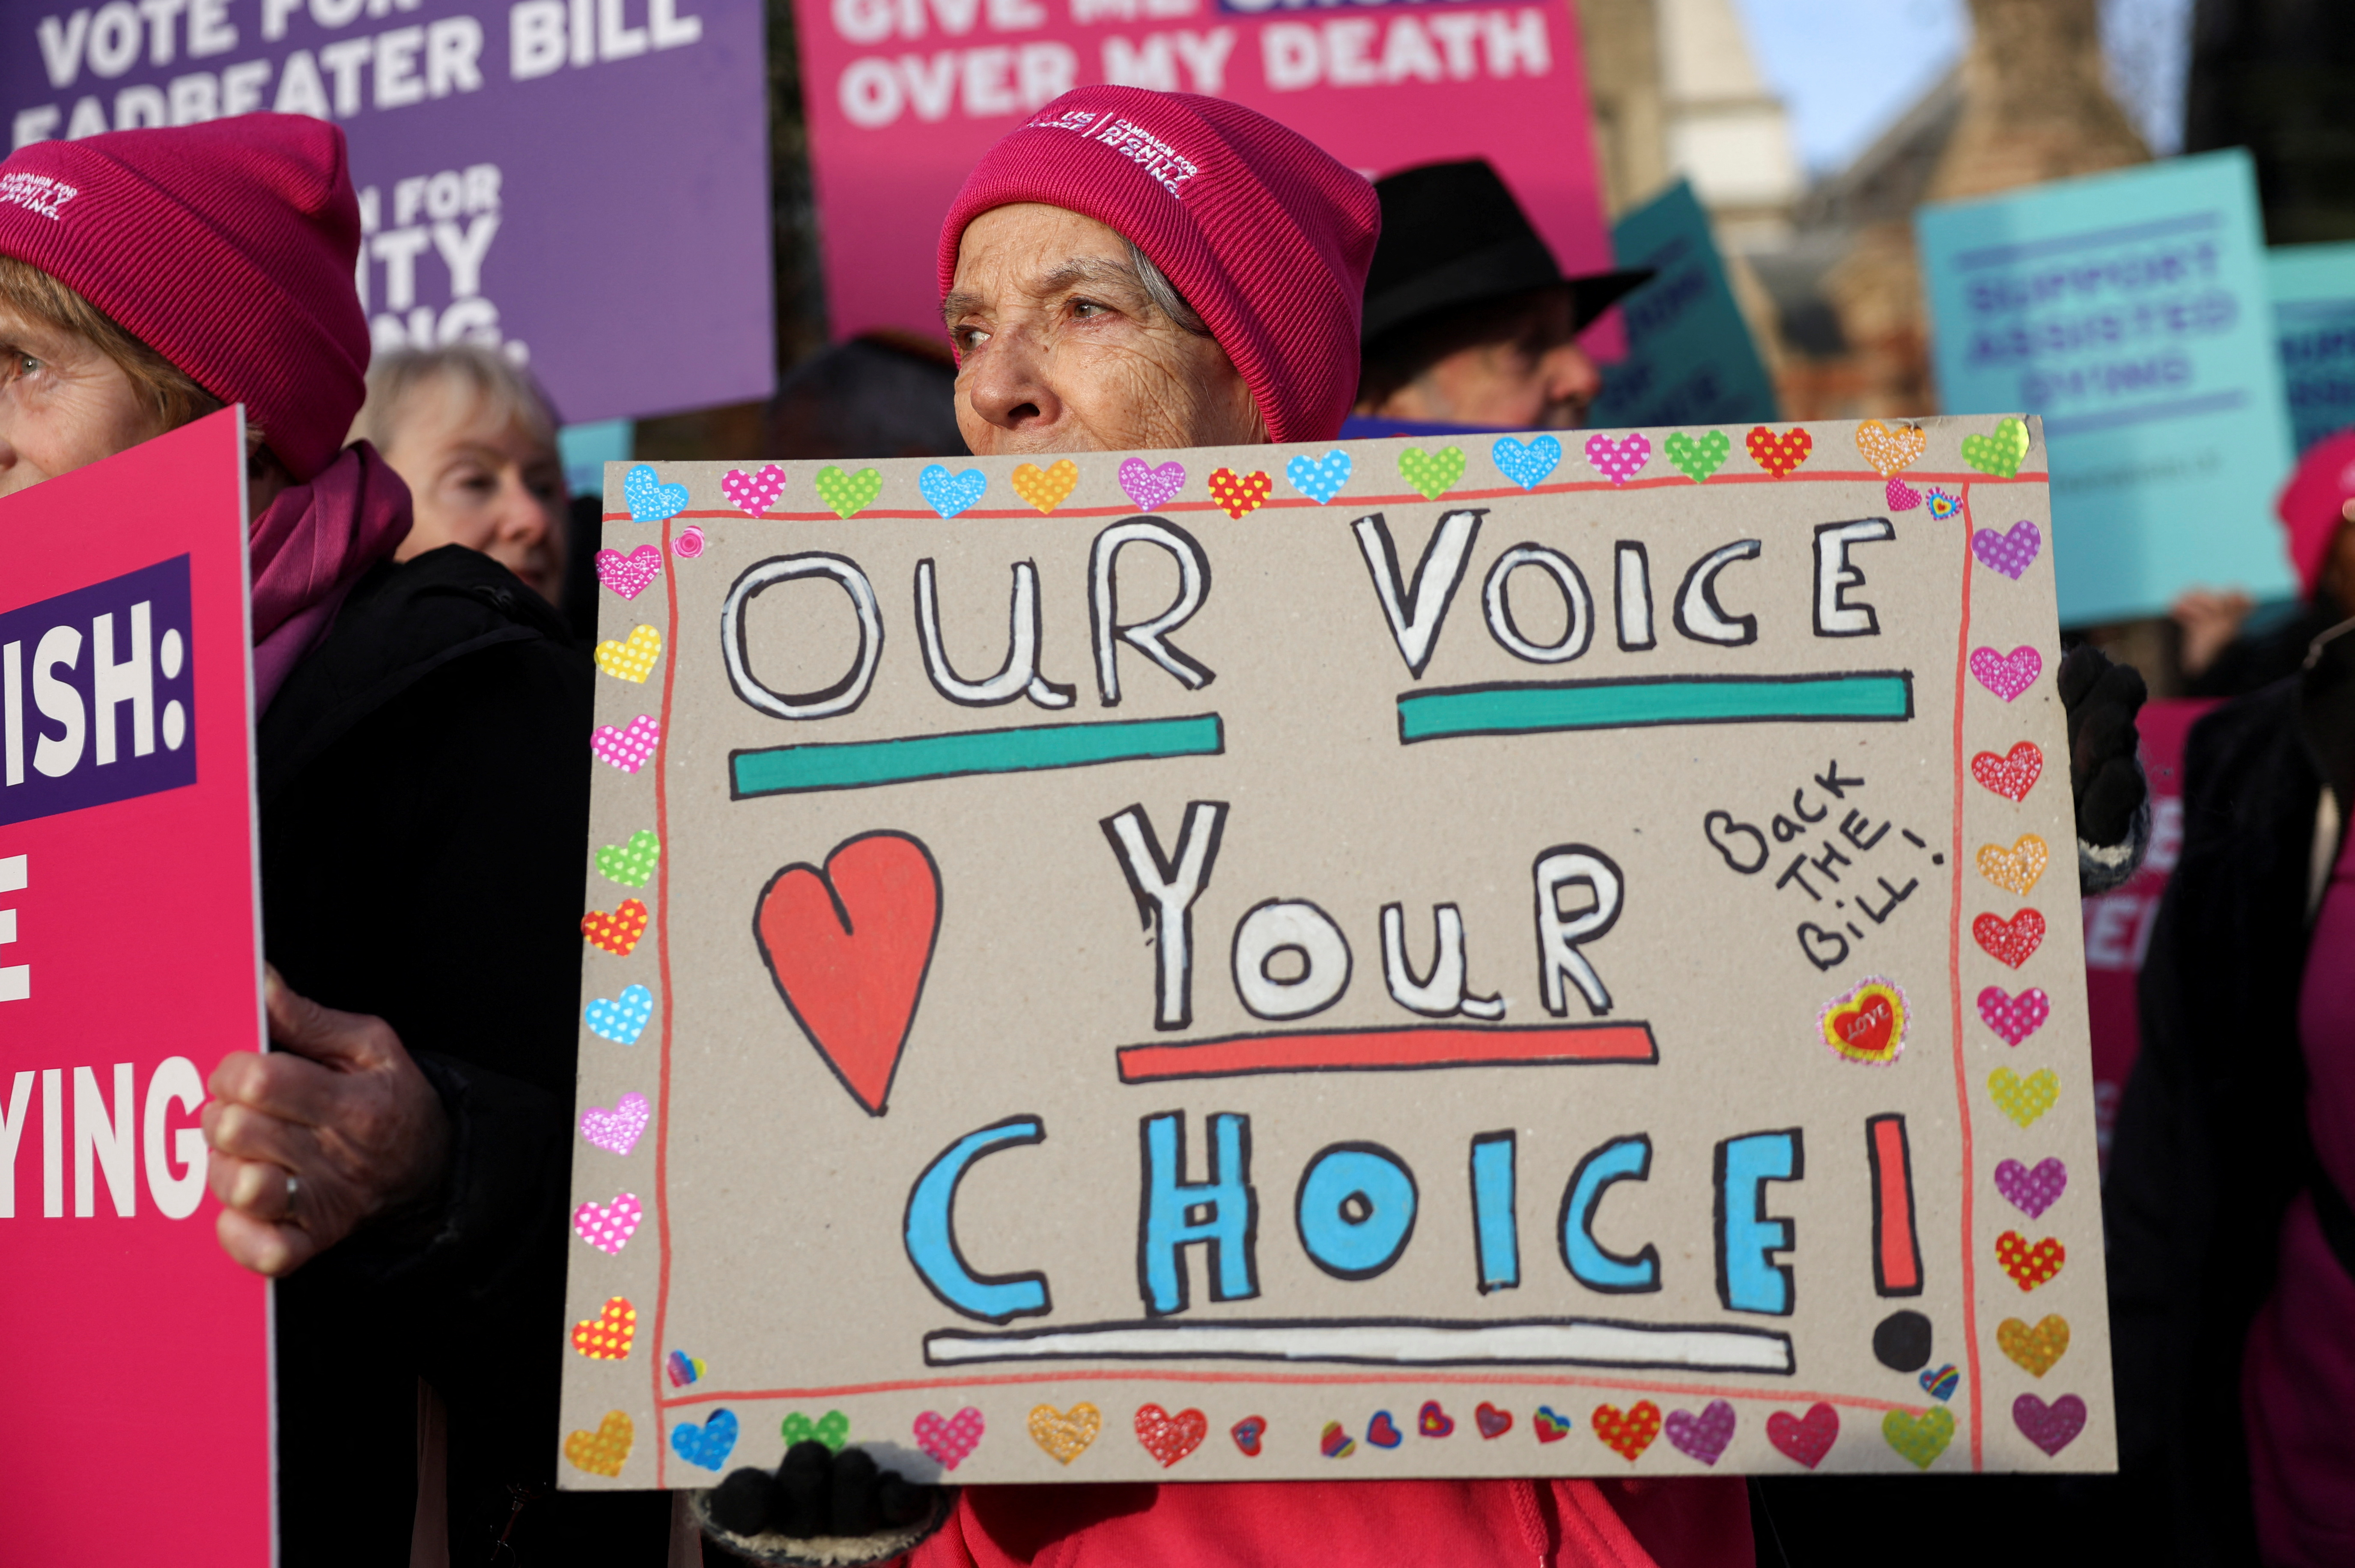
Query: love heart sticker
629	574
1237	494
1249	1434
833	1429
951	494
2009	942
2014	1017
1629	1433
683	1369
2013	774
706	1445
1698	457
1526	463
1046	488
617	1131
1169	1438
1902	496
2033	1190
604	1451
1152	487
1941	505
1620	461
848	495
608	1226
1919	1435
949	1439
1319	478
2051	1427
1433	474
1887	448
1940	1382
752	493
1865	1025
2034	1351
2007	674
626	749
607	1336
618	932
632	864
1703	1436
687	542
649	499
1065	1435
1492	1422
1549	1425
621	1019
2011	552
1434	1422
2000	453
2015	870
2030	1265
1805	1438
1779	454
2024	1099
1383	1432
633	658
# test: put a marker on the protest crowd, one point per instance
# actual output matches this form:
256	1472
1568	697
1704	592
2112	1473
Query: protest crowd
398	1161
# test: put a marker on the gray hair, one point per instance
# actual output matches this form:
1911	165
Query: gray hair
1163	293
493	379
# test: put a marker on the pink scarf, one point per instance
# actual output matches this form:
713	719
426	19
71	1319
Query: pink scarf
308	547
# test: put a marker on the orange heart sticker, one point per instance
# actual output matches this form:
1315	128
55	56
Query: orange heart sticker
1867	1024
1237	494
1889	448
2035	1350
607	1336
604	1451
2016	869
618	932
1045	488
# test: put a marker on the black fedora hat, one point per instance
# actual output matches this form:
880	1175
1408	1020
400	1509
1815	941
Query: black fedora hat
1452	235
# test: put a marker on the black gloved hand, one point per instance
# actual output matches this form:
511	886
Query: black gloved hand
2105	779
818	1492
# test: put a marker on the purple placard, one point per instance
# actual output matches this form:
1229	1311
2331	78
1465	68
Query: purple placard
583	180
97	694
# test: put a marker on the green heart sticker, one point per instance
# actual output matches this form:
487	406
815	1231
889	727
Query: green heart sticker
2024	1099
1433	474
1921	1437
1698	458
2000	453
631	864
833	1428
848	493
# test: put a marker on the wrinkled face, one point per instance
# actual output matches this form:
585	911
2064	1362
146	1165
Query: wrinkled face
480	479
63	404
1541	381
1059	348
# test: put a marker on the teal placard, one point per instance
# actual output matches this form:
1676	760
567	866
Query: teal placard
2314	321
1689	358
2131	311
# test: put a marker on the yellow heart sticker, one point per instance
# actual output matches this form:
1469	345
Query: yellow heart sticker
604	1451
1045	488
632	659
1065	1435
2035	1350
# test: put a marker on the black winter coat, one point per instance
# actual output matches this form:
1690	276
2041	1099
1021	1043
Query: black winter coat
424	792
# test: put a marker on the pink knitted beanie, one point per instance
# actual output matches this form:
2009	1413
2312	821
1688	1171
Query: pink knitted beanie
1261	230
228	248
2310	504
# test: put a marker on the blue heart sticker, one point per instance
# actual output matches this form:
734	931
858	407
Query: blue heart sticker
1319	479
951	494
621	1019
1526	463
707	1445
652	501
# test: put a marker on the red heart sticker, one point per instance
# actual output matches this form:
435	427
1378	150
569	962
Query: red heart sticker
1167	1438
1806	1438
1779	455
2030	1266
1383	1432
607	1336
849	948
1630	1433
1247	1433
1492	1422
1237	494
2010	942
2012	775
618	932
1434	1422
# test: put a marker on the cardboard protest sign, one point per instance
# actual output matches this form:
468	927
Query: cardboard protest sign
2313	289
130	964
1337	962
904	96
490	145
1690	356
2131	311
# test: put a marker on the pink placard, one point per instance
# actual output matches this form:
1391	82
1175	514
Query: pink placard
903	96
135	1355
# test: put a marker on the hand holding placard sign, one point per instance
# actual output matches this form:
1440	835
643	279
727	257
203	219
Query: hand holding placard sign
1088	966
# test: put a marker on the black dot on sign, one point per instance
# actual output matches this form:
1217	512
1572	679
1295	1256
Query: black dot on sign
1937	860
1902	1342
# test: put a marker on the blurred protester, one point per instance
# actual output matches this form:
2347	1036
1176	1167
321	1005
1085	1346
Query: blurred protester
475	438
880	395
2217	658
2232	1245
1468	319
424	807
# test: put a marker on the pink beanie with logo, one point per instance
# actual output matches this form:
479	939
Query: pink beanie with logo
1261	230
228	248
2310	505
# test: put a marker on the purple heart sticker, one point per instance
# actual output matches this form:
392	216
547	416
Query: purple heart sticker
2012	553
2007	674
2014	1017
1148	486
2033	1192
2051	1427
1702	1436
617	1130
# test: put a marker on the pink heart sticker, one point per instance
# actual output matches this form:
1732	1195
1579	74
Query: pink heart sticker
2014	1017
949	1440
1149	486
2007	674
752	493
1618	461
2033	1192
1903	497
1702	1436
2051	1427
629	574
617	1130
608	1226
626	749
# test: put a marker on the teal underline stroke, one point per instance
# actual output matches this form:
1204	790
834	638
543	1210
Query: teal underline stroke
1537	709
864	764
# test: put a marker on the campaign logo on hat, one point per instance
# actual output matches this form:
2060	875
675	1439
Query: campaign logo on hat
1169	167
36	193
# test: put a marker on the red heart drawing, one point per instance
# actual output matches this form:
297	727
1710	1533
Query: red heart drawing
1434	1422
1779	454
849	948
618	932
1806	1438
1167	1438
1492	1422
1247	1433
2010	942
1384	1433
2011	776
